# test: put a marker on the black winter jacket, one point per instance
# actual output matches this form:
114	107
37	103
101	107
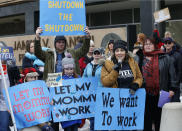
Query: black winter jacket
167	74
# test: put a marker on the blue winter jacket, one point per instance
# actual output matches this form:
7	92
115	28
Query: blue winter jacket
88	72
69	123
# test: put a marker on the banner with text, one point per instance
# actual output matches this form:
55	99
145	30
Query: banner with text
62	17
6	53
117	109
75	99
30	103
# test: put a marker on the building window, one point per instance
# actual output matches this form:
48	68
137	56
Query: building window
100	19
11	25
121	16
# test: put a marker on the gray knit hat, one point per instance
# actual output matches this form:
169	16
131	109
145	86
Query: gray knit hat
68	61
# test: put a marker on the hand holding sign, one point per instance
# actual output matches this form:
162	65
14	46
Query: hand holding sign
38	32
87	31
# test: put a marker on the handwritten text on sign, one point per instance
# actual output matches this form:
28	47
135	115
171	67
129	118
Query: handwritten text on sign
74	100
30	103
128	109
54	79
62	17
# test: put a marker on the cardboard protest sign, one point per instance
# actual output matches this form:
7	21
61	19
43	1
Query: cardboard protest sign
62	17
116	109
30	103
162	15
75	99
6	53
54	79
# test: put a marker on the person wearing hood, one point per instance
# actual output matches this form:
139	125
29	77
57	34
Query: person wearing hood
171	49
109	49
53	58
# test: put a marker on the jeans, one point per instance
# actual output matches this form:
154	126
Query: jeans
4	121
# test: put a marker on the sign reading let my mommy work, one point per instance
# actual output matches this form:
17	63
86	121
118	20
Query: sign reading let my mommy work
30	103
75	99
62	17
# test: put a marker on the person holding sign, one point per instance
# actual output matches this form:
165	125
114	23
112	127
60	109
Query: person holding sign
159	74
122	71
28	75
53	58
68	65
93	69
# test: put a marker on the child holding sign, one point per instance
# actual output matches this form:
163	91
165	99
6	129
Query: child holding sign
30	74
68	65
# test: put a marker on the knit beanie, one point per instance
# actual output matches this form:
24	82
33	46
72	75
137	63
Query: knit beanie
120	44
28	72
61	37
68	61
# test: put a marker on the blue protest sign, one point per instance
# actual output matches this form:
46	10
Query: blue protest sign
62	17
30	103
117	109
6	53
74	100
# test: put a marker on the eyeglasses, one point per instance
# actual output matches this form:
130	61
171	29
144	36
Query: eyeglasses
167	42
96	53
68	68
148	44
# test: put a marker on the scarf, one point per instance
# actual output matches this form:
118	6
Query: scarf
151	72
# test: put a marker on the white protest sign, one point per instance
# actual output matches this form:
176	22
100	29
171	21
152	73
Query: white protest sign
162	15
54	79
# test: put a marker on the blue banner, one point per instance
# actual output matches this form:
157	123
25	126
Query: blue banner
30	103
62	17
75	99
6	53
117	109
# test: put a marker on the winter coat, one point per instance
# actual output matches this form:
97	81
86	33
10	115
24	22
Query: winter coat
28	60
49	56
167	74
83	63
109	76
176	56
88	72
69	123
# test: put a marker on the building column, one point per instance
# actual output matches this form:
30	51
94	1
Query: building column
146	16
29	22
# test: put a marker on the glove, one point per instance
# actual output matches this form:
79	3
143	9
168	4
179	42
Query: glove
133	88
117	67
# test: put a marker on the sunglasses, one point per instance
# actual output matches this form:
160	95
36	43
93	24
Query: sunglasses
167	42
96	53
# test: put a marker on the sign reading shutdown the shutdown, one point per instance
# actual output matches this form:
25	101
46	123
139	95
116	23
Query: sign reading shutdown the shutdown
30	103
62	17
75	99
116	109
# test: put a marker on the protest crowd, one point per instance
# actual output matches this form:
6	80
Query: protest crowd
152	68
154	64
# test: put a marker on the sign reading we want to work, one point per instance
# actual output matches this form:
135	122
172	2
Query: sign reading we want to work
62	17
117	109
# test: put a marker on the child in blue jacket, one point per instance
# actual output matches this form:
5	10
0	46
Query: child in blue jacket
68	66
